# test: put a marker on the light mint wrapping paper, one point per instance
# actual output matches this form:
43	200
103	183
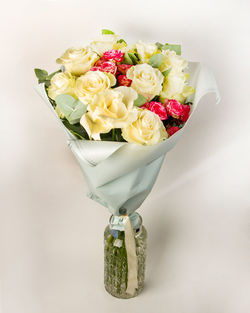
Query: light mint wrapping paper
121	175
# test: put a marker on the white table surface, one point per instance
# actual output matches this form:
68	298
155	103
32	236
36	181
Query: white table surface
198	215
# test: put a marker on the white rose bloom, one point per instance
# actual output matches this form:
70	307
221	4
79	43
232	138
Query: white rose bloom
61	83
104	43
174	87
173	61
146	80
148	129
91	83
78	60
112	108
145	50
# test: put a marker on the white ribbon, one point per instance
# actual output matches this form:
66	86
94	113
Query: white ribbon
132	282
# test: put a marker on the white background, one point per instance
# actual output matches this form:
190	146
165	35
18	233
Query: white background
198	215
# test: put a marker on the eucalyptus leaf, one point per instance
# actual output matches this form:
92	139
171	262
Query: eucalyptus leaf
165	73
107	32
156	60
72	109
140	101
176	48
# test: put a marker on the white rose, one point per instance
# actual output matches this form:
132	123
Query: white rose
78	60
91	83
173	61
148	129
145	50
146	80
61	83
174	87
104	43
112	108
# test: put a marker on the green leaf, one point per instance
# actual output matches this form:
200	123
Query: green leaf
133	57
52	74
165	73
129	58
76	130
176	48
140	101
121	41
126	59
159	45
41	74
156	60
107	32
72	109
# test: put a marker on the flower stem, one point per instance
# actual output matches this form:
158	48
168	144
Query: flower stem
113	134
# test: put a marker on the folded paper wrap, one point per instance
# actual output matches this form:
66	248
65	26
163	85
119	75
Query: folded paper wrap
121	174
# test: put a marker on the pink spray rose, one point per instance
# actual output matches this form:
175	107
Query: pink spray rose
174	108
172	129
124	81
115	55
158	108
122	68
185	114
109	67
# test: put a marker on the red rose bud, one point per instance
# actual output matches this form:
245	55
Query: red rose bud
108	67
158	108
124	81
185	114
122	68
172	129
115	55
174	108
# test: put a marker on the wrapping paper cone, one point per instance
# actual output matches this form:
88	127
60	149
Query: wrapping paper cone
120	174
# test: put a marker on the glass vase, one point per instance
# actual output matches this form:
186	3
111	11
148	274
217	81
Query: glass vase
115	261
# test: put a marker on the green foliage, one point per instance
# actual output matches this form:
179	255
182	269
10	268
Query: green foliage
76	129
130	58
165	73
156	60
72	109
140	101
121	41
44	77
107	32
159	45
114	135
176	48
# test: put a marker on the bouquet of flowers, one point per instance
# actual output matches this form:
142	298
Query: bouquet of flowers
123	108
